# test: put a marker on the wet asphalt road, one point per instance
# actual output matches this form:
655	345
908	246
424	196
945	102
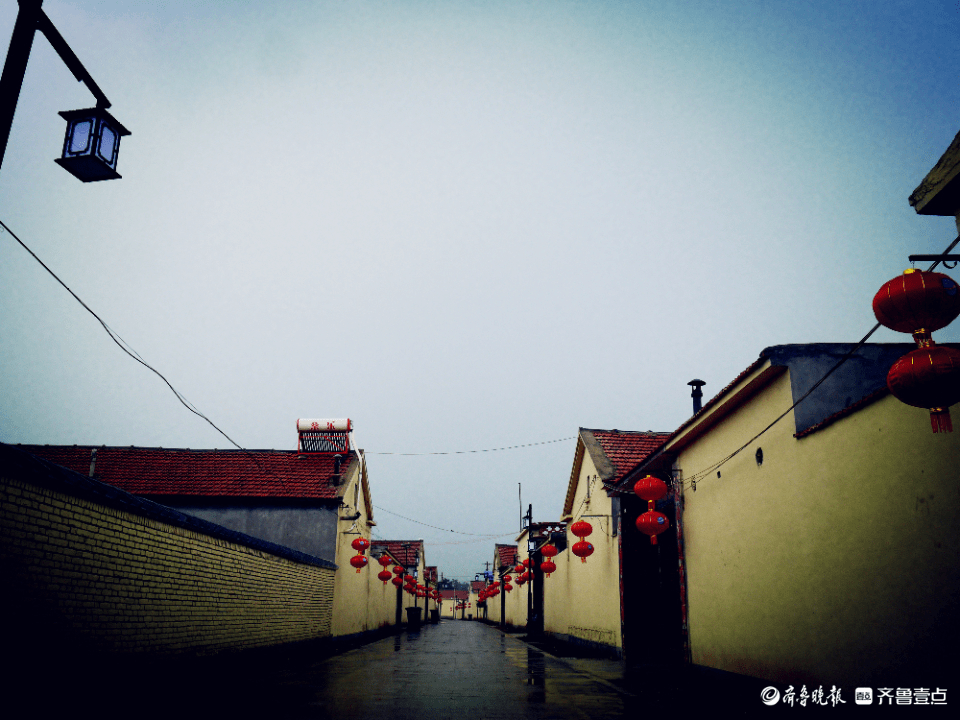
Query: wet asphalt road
454	669
451	670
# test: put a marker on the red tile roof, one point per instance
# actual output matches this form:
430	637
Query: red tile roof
507	554
477	585
454	594
625	450
430	573
162	472
403	550
622	451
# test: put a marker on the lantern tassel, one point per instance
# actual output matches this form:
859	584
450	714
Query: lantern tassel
940	420
653	539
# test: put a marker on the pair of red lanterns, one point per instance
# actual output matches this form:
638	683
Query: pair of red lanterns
548	566
582	549
651	522
384	574
359	561
920	303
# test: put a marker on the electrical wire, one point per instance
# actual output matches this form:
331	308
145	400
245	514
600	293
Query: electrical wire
433	543
698	476
458	532
465	452
121	343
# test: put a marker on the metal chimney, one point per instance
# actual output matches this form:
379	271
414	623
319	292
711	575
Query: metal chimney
696	394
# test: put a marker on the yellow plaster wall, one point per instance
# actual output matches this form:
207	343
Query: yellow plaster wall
516	604
112	580
582	600
836	560
361	603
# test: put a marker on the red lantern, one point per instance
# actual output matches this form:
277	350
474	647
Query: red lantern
518	569
582	550
507	587
384	560
928	377
653	523
360	545
397	581
650	488
526	563
384	575
581	528
917	302
548	566
549	551
359	562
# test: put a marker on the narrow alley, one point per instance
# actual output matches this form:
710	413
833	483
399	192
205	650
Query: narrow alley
452	669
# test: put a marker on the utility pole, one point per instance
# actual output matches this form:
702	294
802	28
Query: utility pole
527	522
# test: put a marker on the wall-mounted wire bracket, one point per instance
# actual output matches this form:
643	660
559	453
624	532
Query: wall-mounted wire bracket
943	258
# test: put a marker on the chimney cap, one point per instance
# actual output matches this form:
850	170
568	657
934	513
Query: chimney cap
696	383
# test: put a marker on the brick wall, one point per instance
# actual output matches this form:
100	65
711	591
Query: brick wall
89	566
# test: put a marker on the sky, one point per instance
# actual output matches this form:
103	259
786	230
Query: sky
463	225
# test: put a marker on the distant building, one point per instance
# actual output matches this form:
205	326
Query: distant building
412	556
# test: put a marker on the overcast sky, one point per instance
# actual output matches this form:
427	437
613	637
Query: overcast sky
464	225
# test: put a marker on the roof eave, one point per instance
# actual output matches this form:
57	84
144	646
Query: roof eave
750	382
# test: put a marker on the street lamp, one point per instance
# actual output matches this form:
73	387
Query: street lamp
91	144
92	141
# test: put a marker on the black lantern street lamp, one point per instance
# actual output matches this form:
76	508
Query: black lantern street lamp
91	144
93	135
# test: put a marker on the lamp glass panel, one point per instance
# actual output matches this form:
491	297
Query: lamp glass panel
80	137
108	144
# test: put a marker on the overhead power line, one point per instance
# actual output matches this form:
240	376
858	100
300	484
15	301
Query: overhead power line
698	476
458	532
121	343
465	452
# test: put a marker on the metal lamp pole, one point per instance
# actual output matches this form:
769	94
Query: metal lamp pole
31	18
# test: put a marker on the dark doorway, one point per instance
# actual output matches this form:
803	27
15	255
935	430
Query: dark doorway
652	611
